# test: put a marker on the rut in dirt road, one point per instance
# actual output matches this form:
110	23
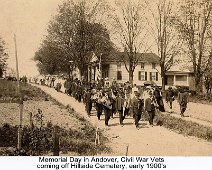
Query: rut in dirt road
146	141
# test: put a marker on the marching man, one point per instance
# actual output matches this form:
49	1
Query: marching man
150	107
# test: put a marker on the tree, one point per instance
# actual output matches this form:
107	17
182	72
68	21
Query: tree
193	25
3	57
164	35
208	73
50	59
73	35
128	24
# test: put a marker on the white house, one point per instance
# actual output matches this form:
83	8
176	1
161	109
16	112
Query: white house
180	77
147	69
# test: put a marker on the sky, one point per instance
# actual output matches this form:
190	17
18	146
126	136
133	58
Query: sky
28	20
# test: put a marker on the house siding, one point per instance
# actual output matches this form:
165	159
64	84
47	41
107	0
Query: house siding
125	75
191	82
172	80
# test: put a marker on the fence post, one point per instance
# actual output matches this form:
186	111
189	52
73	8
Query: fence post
127	149
56	139
97	141
20	130
30	120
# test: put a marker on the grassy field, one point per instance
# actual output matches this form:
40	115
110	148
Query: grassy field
8	91
77	135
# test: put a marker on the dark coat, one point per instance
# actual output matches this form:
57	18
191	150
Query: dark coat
136	106
149	106
156	93
170	95
183	98
119	103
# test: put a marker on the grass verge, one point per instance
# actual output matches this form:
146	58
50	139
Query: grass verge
39	141
187	128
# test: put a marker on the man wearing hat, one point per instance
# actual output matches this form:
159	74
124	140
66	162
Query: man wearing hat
99	107
107	106
119	107
88	101
170	97
159	99
183	99
150	107
136	105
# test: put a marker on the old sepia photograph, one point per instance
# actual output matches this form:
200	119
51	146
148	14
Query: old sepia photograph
105	78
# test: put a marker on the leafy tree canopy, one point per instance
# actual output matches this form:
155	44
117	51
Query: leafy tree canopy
3	57
72	36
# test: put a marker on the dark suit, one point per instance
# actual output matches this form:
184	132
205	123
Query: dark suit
183	99
119	107
99	109
88	102
150	108
170	97
136	109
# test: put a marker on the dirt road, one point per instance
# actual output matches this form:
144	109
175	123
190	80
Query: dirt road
146	141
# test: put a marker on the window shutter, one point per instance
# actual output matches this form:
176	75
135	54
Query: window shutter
119	75
156	76
139	75
145	76
150	76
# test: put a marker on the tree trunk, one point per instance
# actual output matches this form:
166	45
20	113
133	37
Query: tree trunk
81	71
131	76
163	76
198	83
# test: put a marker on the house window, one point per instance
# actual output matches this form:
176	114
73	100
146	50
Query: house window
181	78
153	65
106	74
153	76
142	75
142	65
118	66
119	75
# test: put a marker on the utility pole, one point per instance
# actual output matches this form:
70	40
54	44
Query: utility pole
20	96
100	66
17	71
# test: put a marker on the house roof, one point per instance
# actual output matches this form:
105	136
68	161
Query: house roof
120	56
180	69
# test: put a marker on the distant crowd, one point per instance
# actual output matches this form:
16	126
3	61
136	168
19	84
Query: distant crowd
112	97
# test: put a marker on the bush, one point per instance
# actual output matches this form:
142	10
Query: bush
8	135
201	98
39	141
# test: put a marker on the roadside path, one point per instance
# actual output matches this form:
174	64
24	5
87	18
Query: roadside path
154	141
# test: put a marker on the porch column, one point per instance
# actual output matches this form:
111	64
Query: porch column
88	73
187	80
94	72
174	80
91	73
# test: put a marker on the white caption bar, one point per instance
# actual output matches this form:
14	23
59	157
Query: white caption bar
119	163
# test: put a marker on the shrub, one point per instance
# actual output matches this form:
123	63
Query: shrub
39	141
